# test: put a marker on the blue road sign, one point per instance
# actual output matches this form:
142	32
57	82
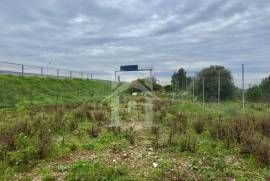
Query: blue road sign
129	68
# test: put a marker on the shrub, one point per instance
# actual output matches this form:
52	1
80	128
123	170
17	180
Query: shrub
242	128
22	157
72	124
158	104
116	130
198	125
231	131
156	132
100	117
216	129
181	122
82	113
177	124
258	147
9	132
94	131
172	133
248	144
44	141
262	152
130	135
160	116
188	143
264	126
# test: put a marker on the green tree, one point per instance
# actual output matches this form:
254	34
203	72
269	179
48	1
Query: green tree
168	88
255	93
180	81
265	85
210	76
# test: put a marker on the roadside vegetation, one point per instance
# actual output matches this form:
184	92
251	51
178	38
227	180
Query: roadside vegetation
17	91
77	139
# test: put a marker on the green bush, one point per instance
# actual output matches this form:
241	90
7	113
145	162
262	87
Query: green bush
188	143
23	157
93	131
198	125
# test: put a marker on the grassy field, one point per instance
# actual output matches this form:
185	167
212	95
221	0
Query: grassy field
17	91
77	140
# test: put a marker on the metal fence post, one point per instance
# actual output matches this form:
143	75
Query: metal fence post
218	87
243	86
41	71
22	70
193	90
203	90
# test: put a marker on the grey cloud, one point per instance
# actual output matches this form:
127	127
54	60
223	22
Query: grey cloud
102	35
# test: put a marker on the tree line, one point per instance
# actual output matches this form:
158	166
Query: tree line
261	92
212	82
211	79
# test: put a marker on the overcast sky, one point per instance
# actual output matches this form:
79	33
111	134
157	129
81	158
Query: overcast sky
101	35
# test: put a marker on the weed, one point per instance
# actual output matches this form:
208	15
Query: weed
100	117
94	131
95	170
248	145
263	125
181	122
188	143
82	113
198	125
156	131
262	152
116	130
46	175
9	131
44	141
155	141
216	128
130	135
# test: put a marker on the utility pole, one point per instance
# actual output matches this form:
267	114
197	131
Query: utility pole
243	86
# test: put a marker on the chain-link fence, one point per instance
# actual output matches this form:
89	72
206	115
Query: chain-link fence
218	84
